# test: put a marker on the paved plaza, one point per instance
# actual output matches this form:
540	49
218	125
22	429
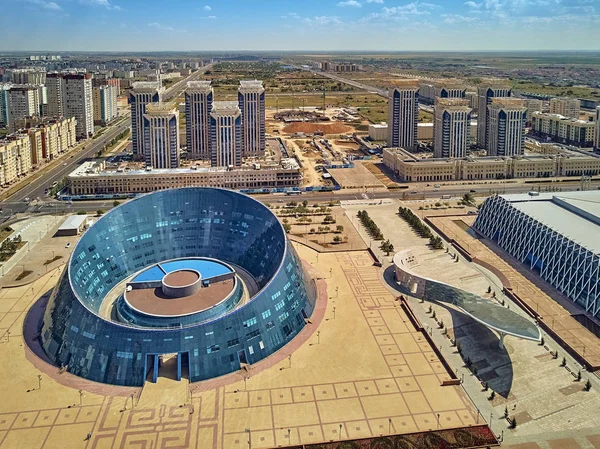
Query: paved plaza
550	406
360	370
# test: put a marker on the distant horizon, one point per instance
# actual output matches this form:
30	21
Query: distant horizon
323	25
300	52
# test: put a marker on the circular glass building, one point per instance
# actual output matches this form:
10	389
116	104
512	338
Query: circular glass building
203	277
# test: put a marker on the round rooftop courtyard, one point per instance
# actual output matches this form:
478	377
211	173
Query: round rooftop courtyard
181	278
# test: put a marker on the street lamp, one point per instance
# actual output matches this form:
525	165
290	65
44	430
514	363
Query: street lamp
80	397
249	437
318	337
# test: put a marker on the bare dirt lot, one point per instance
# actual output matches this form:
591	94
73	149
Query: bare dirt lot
311	128
357	177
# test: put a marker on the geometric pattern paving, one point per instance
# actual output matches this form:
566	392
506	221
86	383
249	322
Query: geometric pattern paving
370	374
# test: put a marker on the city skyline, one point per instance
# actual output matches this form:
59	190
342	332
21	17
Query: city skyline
334	25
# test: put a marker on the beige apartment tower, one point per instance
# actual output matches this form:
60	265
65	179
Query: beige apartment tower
567	107
403	112
161	135
507	119
489	90
451	127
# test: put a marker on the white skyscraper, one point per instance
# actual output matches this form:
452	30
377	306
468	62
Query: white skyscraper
507	118
225	134
251	97
161	135
55	90
198	105
451	127
403	111
105	104
142	93
78	102
21	103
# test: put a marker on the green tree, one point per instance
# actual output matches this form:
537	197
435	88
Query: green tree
116	203
100	212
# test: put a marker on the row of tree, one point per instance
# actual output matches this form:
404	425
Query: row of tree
370	225
9	247
420	228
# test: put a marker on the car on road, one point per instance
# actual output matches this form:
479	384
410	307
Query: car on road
413	191
65	163
436	190
473	191
68	245
437	186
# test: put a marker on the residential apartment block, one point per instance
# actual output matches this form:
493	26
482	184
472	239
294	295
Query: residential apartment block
141	94
199	97
506	123
15	158
430	90
562	129
251	98
403	111
22	101
489	90
451	127
161	135
105	104
567	107
226	134
78	102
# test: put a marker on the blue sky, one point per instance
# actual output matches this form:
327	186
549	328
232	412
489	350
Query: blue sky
383	25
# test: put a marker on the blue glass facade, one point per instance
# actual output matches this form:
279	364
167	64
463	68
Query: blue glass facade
191	222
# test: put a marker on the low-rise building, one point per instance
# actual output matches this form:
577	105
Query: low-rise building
378	132
410	168
563	129
91	178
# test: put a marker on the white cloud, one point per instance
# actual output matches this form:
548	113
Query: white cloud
400	13
52	6
209	17
322	20
353	3
104	3
160	27
456	18
206	8
290	15
374	1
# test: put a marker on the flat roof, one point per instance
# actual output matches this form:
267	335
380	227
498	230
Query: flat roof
576	215
73	222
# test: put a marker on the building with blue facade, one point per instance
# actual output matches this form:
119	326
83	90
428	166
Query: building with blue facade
175	244
403	114
251	98
142	93
555	235
226	141
198	105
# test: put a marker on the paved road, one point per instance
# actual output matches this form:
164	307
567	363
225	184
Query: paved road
16	203
427	194
176	89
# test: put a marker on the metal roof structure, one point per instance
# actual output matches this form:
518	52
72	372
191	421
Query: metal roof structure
576	215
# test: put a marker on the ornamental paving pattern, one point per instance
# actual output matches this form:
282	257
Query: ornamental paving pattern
360	369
